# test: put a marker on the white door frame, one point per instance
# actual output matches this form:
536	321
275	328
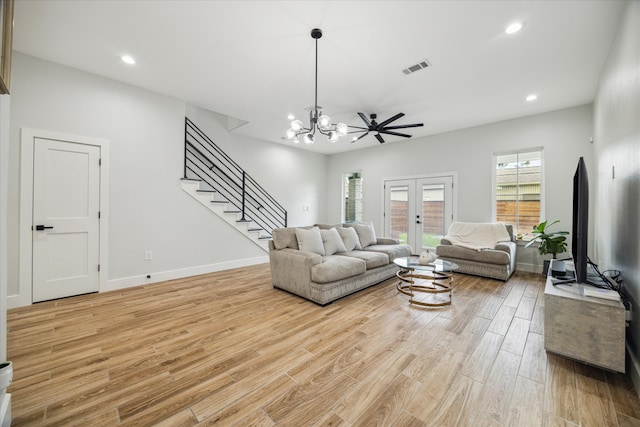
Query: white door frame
27	139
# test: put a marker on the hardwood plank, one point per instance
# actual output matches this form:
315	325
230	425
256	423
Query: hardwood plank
623	394
449	412
228	349
389	404
534	359
561	395
502	320
497	393
516	337
532	413
478	366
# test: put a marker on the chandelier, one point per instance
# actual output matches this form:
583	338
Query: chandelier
317	121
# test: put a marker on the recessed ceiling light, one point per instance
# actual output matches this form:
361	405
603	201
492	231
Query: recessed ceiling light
531	97
513	28
128	59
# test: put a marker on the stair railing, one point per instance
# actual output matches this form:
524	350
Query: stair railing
205	161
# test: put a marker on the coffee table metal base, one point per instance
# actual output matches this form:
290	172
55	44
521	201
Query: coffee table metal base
441	283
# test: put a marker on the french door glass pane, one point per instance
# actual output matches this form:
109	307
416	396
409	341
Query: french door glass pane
399	213
433	224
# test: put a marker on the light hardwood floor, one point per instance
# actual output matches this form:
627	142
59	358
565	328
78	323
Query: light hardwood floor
228	349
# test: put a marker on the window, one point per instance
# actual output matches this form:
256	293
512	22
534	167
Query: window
518	191
352	193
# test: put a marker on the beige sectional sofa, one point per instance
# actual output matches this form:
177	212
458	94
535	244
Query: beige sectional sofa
493	257
325	262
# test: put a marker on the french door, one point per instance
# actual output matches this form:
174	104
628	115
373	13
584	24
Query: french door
418	211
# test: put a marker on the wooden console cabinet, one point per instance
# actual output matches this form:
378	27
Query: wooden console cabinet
587	329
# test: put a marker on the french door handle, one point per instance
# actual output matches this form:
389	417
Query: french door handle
42	228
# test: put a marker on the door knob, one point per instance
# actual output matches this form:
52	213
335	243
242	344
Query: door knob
42	228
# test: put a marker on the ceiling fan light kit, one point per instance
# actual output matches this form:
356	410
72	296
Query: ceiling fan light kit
322	123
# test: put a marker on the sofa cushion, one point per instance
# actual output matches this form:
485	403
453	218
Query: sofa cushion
489	256
349	238
337	267
327	226
310	240
332	241
392	251
366	234
372	259
285	238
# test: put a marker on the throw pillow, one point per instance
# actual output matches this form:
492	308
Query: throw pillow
349	238
366	234
284	238
310	240
332	241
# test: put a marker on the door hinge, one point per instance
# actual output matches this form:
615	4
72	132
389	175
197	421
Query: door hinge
98	214
99	162
98	267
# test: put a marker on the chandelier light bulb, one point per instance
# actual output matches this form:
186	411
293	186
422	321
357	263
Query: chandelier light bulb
513	28
324	122
333	136
296	125
291	133
342	129
308	138
291	116
296	141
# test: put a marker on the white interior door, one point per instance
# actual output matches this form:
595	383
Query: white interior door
66	225
418	211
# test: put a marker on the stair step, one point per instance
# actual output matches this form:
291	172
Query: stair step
264	237
232	212
191	179
220	201
243	220
206	191
255	229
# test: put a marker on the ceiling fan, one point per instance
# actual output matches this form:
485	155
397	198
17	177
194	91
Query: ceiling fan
382	128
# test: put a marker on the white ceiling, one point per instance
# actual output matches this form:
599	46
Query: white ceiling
254	60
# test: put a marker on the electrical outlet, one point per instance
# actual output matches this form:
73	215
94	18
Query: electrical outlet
148	256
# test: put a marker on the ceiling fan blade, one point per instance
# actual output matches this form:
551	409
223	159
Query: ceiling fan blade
365	120
360	137
379	138
357	127
414	125
392	119
388	132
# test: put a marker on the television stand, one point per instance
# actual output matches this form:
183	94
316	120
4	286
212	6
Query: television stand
587	329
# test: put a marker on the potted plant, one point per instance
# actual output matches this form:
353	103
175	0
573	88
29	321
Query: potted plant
554	242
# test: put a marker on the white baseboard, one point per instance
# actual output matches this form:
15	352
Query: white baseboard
128	282
529	268
14	301
634	370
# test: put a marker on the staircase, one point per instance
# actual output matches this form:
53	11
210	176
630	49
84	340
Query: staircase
215	180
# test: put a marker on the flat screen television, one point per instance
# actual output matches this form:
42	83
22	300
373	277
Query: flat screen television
580	227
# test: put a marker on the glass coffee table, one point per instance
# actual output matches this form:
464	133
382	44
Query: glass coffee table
438	272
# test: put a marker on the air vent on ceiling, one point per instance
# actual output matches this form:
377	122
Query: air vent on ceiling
417	67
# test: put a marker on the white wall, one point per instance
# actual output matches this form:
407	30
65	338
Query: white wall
294	177
148	209
617	146
564	135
